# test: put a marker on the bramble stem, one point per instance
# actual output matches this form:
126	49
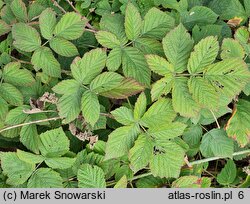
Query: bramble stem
218	125
29	123
216	158
58	6
111	183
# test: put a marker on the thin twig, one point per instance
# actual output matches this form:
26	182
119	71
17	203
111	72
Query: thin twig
29	123
21	61
33	23
218	125
107	115
58	6
72	6
91	28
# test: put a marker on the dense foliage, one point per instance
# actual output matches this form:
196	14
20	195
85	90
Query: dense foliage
124	93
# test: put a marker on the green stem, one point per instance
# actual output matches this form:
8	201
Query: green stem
111	183
246	183
216	158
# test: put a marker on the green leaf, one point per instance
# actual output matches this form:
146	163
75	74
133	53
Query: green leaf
14	75
35	9
69	105
25	37
54	143
199	15
120	141
200	32
123	170
150	182
191	182
123	115
140	106
70	84
15	116
126	88
134	65
107	39
133	22
3	108
167	131
216	143
45	178
44	59
114	23
29	157
227	174
90	107
90	177
161	87
19	10
228	9
149	46
203	92
63	47
70	26
242	36
204	54
122	183
60	162
157	23
90	66
105	82
228	76
141	153
4	28
47	23
238	126
18	171
183	102
29	136
160	112
114	59
168	162
177	46
11	94
159	65
231	48
192	135
7	15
